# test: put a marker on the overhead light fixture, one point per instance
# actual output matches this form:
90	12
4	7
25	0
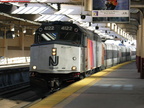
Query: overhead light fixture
25	4
89	23
97	27
58	6
13	35
17	33
122	41
83	16
24	30
108	24
12	28
33	31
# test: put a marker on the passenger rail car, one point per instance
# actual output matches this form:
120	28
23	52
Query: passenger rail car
64	51
112	55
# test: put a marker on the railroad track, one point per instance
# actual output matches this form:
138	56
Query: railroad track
18	97
23	97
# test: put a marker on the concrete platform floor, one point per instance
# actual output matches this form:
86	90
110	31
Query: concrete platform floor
121	87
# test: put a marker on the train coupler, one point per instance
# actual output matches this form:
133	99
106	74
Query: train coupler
54	84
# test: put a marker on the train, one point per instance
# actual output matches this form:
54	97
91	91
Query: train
64	51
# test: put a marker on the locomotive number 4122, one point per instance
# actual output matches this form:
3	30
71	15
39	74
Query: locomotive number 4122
49	28
69	28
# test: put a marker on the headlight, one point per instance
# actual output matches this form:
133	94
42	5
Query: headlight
34	67
54	51
74	68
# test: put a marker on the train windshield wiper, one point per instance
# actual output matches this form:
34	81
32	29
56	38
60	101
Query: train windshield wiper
49	36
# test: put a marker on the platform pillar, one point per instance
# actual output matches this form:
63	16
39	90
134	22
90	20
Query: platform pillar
138	48
142	52
22	41
5	47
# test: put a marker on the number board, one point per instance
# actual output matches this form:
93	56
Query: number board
49	28
69	28
57	28
66	28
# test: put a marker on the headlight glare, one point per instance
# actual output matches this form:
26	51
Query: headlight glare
34	67
74	68
54	51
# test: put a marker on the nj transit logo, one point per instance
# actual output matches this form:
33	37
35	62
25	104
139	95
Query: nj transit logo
53	61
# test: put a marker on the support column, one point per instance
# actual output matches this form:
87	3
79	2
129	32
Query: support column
142	52
5	47
138	49
22	41
2	47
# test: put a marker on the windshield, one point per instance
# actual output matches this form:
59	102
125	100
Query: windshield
48	36
70	37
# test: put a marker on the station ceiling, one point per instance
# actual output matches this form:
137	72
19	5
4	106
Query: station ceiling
30	15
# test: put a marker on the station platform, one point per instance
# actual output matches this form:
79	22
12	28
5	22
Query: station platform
17	65
117	87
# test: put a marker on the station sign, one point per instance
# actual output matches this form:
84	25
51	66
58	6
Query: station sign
116	11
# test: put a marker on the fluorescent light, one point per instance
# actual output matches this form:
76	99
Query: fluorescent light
24	10
59	17
51	17
18	10
39	10
68	11
32	10
61	11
